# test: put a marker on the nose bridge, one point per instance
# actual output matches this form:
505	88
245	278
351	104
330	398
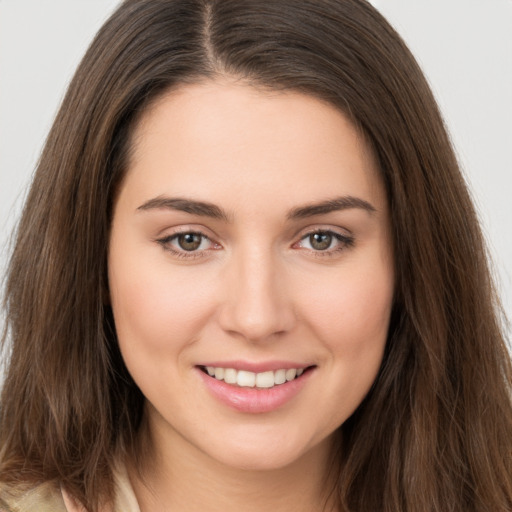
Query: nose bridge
256	305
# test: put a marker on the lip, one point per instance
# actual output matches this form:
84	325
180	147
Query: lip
256	367
253	400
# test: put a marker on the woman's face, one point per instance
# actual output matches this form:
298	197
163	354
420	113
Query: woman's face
250	240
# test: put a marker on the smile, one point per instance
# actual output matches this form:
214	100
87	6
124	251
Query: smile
255	392
247	379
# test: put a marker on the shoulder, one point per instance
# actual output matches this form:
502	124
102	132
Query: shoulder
48	497
41	498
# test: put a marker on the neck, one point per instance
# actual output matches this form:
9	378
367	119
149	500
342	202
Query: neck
175	476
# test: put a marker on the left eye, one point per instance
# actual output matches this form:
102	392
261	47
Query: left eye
324	241
190	241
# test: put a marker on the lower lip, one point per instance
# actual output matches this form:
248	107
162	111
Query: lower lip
254	400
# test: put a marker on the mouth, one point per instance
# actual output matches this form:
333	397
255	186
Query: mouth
262	380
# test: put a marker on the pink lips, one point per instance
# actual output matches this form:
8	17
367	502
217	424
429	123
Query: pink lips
253	400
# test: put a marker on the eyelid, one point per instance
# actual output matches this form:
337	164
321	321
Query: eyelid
179	229
323	228
165	240
345	240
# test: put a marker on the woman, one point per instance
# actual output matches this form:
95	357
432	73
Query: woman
249	275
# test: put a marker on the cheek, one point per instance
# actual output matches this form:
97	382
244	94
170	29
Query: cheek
351	319
350	312
156	307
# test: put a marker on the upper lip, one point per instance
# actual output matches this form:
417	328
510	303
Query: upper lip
256	367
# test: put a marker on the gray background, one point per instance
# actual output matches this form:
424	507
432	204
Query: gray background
464	47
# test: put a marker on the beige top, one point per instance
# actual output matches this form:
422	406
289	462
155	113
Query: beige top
49	498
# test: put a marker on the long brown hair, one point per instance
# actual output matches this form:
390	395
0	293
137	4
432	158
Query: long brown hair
435	431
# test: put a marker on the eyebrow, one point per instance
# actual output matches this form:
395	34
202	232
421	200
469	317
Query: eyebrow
205	209
201	208
331	205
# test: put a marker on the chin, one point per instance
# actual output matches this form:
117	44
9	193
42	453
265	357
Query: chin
270	454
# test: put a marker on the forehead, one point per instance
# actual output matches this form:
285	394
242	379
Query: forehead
230	139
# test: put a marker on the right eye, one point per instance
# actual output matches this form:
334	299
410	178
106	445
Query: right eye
187	244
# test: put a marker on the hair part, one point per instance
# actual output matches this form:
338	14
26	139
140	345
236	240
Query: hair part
434	432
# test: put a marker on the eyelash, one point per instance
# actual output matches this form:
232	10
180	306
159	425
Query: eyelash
165	242
344	242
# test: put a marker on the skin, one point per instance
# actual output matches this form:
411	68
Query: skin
257	289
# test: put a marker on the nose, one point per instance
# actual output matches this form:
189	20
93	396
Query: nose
256	305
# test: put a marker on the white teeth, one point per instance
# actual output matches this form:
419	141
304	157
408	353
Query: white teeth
265	380
291	373
247	379
280	377
230	376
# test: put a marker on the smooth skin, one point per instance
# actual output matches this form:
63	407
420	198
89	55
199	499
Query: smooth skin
217	255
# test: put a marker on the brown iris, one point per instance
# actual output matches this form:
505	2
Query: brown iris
189	241
320	241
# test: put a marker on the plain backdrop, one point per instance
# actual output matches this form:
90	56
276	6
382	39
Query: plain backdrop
464	47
